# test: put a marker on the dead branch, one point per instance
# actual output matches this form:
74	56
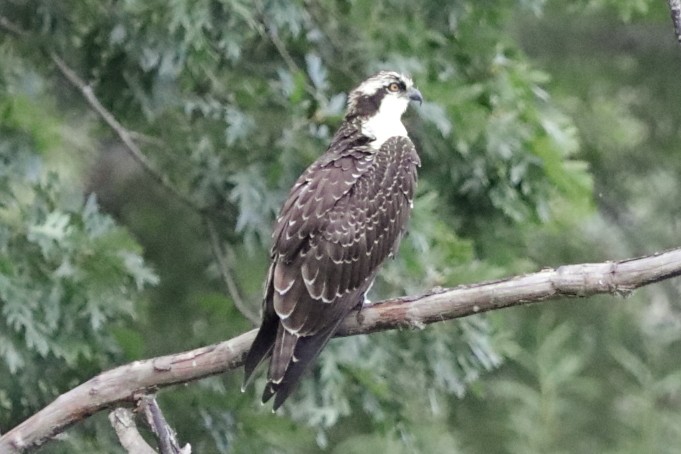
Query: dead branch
123	384
123	422
165	435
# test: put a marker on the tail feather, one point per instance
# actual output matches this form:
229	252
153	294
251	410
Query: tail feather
306	351
261	348
282	354
289	355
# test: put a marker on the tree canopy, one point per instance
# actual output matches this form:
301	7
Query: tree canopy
548	136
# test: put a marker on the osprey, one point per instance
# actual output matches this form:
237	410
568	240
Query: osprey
343	217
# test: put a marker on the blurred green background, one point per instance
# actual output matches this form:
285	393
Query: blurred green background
549	135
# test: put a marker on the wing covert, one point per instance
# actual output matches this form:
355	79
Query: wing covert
327	260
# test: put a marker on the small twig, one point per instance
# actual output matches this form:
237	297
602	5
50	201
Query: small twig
9	27
675	7
269	33
281	48
129	139
146	138
123	423
227	277
165	435
126	136
123	134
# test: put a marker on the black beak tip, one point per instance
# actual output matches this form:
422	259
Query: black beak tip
415	95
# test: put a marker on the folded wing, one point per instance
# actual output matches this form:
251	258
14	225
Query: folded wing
343	218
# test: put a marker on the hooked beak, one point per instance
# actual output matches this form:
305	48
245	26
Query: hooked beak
415	95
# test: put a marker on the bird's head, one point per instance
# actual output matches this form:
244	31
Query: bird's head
387	93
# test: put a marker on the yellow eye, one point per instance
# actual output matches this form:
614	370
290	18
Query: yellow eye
394	87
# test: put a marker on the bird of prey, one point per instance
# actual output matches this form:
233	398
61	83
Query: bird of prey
343	217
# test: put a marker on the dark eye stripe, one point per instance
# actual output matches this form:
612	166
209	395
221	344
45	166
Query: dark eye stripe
399	83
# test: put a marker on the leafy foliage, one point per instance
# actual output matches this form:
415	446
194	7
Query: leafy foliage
68	274
542	143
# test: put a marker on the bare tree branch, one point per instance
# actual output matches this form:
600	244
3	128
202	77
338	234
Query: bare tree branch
122	384
165	435
124	135
267	31
123	422
230	283
9	27
129	138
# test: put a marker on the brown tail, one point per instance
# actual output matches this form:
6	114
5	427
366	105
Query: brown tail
290	358
261	348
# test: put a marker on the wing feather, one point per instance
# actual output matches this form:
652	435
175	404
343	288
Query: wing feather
343	218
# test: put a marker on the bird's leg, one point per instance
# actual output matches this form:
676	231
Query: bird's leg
358	316
363	301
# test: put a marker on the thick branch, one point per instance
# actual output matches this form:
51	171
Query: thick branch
124	383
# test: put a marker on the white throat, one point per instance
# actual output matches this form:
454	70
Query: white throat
386	122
